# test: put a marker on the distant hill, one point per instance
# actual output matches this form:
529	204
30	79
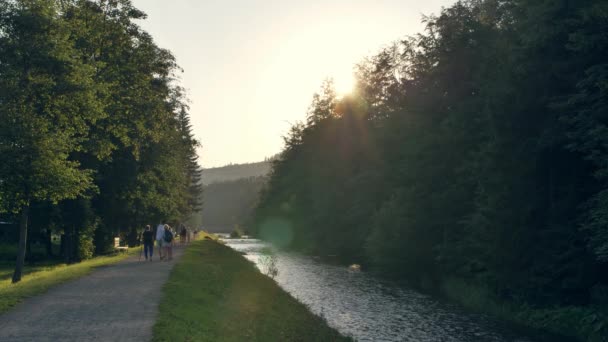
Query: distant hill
230	203
229	195
235	171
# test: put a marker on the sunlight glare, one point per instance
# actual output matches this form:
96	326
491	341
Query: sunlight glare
344	83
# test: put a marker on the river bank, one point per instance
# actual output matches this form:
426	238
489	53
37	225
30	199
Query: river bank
370	308
565	323
213	294
582	323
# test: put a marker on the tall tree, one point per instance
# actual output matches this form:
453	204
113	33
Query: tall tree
193	170
47	105
475	150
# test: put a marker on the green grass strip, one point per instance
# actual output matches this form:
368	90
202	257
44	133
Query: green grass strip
214	294
39	281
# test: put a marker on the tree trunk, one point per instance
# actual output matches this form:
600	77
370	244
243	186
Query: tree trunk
69	245
48	242
64	247
22	243
28	248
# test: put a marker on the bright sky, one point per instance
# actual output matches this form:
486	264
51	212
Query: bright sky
251	66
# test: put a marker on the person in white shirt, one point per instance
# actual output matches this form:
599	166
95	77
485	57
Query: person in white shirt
160	239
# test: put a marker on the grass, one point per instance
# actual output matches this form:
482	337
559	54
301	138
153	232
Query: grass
37	252
214	294
39	279
7	269
581	323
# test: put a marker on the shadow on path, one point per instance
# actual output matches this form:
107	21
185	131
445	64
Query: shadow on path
114	303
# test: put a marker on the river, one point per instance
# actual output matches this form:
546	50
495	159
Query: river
368	309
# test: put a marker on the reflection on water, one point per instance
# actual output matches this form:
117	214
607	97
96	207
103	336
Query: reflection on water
367	309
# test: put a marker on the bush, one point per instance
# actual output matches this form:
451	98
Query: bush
586	323
86	248
86	238
236	233
268	262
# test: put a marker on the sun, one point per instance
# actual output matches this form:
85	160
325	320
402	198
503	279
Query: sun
344	83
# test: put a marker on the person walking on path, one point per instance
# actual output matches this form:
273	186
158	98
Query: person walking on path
160	238
148	242
182	235
119	302
168	242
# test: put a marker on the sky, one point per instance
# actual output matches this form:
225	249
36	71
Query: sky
252	66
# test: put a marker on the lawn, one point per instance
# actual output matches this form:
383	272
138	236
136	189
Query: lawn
214	294
7	268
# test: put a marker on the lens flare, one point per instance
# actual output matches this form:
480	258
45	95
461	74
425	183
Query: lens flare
277	231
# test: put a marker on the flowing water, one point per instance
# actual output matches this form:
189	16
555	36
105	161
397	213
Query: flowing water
368	309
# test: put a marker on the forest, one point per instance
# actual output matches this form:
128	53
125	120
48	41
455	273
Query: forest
229	205
232	172
475	152
95	134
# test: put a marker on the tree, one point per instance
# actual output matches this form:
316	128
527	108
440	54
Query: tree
584	112
95	132
47	106
323	103
474	150
193	170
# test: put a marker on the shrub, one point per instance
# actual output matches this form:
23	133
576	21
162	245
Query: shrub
237	232
86	248
268	262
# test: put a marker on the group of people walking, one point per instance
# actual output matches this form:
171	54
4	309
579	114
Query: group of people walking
164	235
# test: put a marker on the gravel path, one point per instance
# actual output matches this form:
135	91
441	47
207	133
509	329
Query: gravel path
114	303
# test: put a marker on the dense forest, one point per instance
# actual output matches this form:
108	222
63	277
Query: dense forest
95	138
229	205
234	172
229	195
474	151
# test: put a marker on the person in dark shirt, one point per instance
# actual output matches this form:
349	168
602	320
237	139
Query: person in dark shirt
148	242
182	235
168	243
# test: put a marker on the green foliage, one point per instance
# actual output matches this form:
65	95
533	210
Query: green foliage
584	110
475	150
95	137
86	248
230	203
236	232
268	262
588	323
235	172
46	107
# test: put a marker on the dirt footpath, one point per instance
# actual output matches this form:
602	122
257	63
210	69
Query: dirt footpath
114	303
